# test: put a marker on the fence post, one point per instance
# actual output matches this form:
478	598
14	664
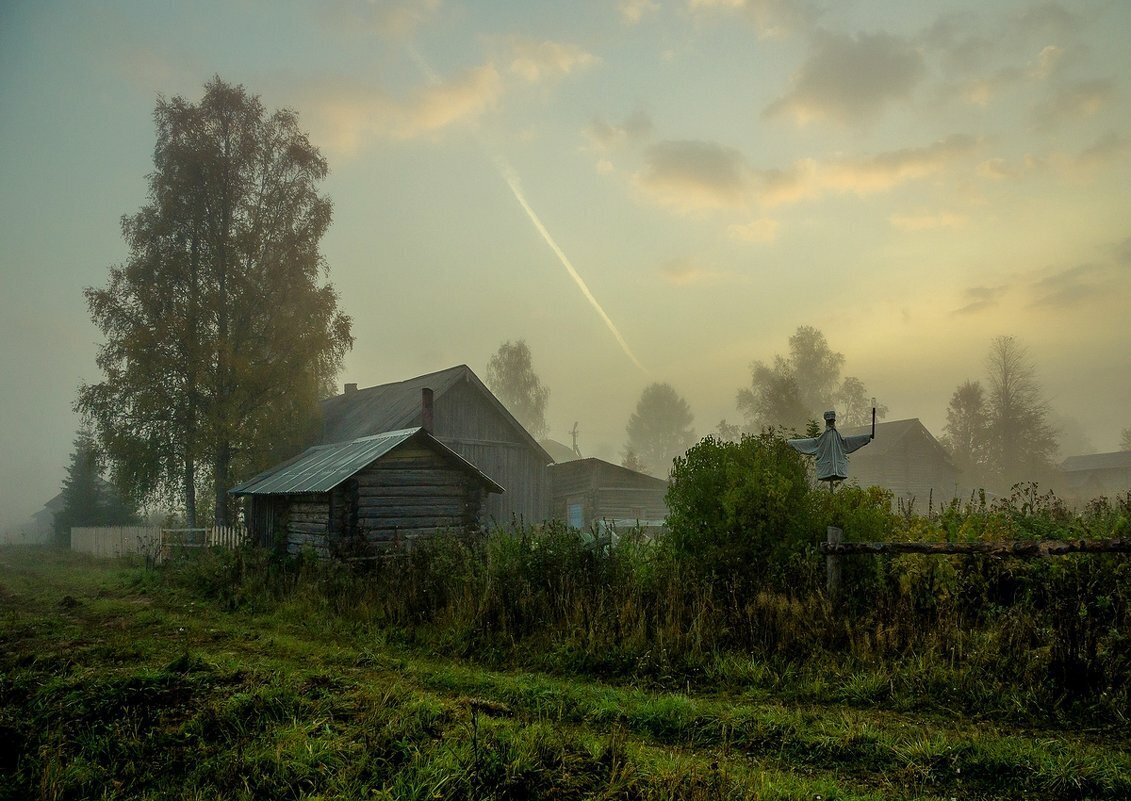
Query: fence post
834	536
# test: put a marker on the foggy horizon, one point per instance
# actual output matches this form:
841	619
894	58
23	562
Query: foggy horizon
642	191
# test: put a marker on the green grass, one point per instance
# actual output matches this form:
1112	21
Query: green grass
116	684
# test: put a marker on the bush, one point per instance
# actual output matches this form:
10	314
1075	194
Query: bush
740	511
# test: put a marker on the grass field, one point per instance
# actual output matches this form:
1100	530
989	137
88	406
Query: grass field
116	682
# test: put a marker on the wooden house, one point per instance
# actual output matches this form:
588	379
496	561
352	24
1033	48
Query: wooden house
468	419
592	491
1096	474
907	460
371	492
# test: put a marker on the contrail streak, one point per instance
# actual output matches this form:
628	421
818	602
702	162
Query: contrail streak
508	174
512	181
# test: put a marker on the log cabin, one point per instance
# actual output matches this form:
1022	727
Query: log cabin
366	495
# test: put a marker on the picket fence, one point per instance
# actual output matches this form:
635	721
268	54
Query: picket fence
155	544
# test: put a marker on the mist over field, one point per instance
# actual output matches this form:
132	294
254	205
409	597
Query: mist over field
641	192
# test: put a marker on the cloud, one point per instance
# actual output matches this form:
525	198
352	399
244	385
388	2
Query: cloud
1047	20
1123	253
605	136
393	19
762	231
924	221
811	179
1081	99
1108	148
980	298
632	11
687	272
999	169
773	19
346	115
536	61
1047	62
850	79
1069	287
704	176
694	175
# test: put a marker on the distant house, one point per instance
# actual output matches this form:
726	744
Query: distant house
588	491
393	488
907	460
559	451
1096	474
467	418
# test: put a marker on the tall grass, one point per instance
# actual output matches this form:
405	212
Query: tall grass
1038	640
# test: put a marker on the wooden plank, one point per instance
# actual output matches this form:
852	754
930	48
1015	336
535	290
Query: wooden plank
307	528
409	524
411	477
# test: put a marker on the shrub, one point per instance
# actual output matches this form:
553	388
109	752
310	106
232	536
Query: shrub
739	510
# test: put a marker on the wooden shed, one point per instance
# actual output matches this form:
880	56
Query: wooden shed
589	491
467	418
368	493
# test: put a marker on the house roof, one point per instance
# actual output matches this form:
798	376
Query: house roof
590	463
559	451
323	467
891	433
389	407
1097	461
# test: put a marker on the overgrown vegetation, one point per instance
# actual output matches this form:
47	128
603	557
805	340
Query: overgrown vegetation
536	663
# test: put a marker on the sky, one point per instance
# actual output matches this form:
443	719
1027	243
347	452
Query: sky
642	190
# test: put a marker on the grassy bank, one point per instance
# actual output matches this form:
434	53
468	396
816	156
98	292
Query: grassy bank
243	677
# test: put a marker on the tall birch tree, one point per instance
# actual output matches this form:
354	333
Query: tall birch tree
221	333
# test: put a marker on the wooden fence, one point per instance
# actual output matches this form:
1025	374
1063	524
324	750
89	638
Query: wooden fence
155	544
835	548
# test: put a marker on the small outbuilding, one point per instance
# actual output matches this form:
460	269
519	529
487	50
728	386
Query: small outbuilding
367	494
592	491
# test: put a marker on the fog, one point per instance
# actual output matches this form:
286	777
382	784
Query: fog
682	186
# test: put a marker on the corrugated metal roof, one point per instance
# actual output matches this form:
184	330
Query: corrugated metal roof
323	467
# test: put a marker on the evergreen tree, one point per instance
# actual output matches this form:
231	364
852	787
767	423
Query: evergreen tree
89	500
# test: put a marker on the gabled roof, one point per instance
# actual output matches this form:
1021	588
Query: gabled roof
323	467
388	407
590	463
559	451
1097	461
890	434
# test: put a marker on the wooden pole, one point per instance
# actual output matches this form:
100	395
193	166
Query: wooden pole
834	537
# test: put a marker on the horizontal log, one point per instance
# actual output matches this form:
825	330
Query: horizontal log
1022	549
307	528
448	505
308	509
308	518
415	491
413	478
410	524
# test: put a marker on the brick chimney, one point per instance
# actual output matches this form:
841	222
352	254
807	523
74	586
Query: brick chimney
351	388
426	419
